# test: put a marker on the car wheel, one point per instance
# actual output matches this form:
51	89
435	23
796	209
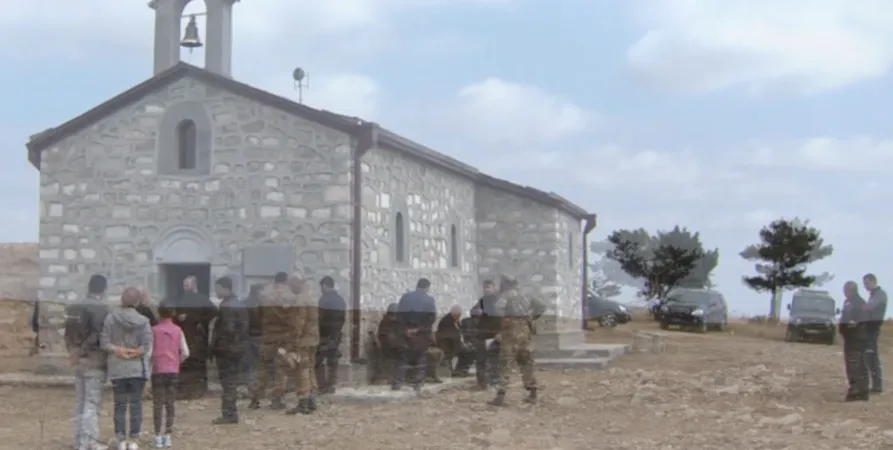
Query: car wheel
664	325
702	327
721	326
789	335
832	340
608	321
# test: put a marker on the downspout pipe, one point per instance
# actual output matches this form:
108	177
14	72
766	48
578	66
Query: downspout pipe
590	221
366	139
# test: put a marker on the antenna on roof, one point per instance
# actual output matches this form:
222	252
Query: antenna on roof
302	81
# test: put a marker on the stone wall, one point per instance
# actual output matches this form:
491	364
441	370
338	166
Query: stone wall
570	273
521	238
273	179
431	201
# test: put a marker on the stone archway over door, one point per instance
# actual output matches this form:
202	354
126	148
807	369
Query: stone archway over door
182	250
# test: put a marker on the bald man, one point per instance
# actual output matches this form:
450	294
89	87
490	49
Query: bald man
453	344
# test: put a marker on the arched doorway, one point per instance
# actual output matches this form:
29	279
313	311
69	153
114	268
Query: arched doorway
180	252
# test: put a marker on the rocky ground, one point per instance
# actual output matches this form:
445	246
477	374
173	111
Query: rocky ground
715	391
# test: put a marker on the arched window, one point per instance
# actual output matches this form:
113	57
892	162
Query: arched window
186	140
454	247
399	239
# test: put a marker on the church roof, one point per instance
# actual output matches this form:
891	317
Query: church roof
350	125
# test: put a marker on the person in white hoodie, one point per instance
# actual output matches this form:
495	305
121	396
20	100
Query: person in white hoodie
127	337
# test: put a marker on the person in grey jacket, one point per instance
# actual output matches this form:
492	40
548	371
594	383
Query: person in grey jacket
127	337
83	327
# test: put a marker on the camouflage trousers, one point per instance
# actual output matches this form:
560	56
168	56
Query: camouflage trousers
516	349
434	359
305	372
268	359
855	363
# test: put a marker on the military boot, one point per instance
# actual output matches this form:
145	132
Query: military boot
499	400
531	396
311	403
852	396
254	404
302	408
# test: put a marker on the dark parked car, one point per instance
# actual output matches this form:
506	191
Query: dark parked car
812	317
698	309
607	313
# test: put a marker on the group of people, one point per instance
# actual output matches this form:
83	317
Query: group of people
860	325
498	333
277	334
277	330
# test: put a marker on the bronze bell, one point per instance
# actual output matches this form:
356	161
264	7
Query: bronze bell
190	36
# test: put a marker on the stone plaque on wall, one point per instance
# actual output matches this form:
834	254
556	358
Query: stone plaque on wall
264	261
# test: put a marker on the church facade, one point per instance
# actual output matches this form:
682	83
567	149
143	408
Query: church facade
194	173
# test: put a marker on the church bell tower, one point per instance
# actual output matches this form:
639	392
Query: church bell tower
218	34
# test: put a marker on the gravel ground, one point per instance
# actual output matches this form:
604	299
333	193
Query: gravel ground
710	391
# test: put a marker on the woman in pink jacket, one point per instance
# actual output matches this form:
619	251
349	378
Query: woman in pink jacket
169	349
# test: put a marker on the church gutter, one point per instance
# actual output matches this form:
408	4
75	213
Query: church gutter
366	139
589	224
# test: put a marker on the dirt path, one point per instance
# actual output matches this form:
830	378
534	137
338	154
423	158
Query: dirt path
706	392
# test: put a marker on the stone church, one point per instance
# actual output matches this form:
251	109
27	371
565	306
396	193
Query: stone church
193	172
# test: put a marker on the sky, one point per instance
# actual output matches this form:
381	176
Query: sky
719	116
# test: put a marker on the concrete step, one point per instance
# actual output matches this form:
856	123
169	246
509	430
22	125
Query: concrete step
584	351
574	363
559	340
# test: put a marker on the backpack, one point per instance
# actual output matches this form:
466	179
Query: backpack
77	324
166	345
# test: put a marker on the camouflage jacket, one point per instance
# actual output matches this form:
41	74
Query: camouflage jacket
517	313
277	308
307	321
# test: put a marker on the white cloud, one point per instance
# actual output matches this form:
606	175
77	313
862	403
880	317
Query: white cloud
855	154
499	111
699	46
344	93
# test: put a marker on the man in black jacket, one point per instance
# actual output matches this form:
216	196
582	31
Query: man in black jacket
876	309
332	315
487	327
251	357
228	341
853	328
416	314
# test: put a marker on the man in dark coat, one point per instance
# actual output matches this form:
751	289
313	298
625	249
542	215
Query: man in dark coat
416	314
332	315
853	328
487	325
228	346
876	309
453	344
195	311
252	350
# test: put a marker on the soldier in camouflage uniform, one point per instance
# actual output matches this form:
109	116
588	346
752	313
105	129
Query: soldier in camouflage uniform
517	314
276	311
854	329
306	342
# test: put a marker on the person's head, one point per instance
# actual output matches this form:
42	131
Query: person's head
255	289
280	277
423	284
131	297
144	296
508	283
392	309
296	283
327	284
165	311
223	287
850	289
189	283
456	311
869	281
489	287
97	285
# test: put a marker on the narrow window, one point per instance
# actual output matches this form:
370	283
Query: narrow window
454	247
399	242
186	145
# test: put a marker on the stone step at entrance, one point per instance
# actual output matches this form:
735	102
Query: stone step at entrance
602	350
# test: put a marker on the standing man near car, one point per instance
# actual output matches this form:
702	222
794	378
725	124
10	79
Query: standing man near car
876	309
853	328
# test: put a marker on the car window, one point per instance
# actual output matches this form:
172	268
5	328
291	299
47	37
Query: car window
804	304
692	297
